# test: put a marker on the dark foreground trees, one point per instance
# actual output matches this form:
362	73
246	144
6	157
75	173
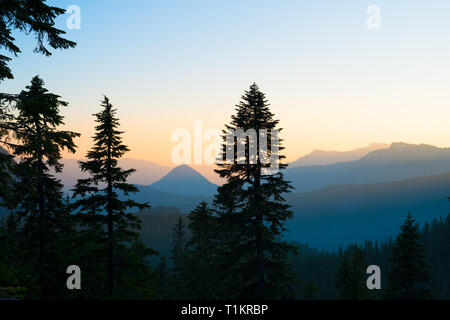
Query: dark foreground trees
40	222
41	236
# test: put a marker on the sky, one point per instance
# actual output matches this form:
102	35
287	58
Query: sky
333	83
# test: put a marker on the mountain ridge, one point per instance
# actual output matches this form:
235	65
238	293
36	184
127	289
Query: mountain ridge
400	161
324	157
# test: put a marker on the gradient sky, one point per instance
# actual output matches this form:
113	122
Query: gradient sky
332	82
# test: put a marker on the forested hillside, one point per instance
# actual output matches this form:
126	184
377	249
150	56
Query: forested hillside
320	267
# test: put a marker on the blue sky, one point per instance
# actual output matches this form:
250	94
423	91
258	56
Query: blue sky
332	82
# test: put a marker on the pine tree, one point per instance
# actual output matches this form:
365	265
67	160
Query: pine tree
29	16
101	193
38	149
351	276
261	253
409	276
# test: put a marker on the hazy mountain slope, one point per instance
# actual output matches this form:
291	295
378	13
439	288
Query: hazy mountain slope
332	216
400	161
185	181
207	170
147	171
339	215
161	198
321	157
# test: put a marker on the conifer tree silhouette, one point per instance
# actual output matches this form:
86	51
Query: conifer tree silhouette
409	277
260	255
100	193
40	198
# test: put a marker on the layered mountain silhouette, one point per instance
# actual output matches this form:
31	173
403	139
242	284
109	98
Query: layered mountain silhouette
321	157
340	215
184	180
335	204
329	217
399	161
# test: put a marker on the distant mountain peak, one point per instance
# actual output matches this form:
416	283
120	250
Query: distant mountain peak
185	180
183	171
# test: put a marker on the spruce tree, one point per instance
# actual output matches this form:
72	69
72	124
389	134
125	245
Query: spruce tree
409	277
30	17
102	192
261	253
41	212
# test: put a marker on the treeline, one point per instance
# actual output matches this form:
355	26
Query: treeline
320	270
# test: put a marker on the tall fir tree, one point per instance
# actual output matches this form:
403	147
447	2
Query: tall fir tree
409	277
101	193
41	215
261	253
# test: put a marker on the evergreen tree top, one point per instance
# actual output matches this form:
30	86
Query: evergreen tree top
36	125
253	111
